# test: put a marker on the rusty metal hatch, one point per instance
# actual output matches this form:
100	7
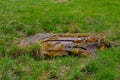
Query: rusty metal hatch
65	44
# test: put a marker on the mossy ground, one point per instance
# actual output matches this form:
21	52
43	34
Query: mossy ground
21	18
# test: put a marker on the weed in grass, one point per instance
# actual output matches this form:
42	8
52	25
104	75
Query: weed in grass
24	58
62	29
106	74
30	31
14	51
76	75
49	28
2	51
6	65
53	75
91	67
47	66
19	27
7	29
34	50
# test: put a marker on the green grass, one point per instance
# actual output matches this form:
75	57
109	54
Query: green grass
22	18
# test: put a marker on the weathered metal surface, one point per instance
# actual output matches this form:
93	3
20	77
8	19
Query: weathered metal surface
65	44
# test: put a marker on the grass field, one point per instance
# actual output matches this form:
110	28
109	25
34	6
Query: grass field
23	18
